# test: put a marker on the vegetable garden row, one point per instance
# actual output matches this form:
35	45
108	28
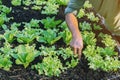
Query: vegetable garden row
34	39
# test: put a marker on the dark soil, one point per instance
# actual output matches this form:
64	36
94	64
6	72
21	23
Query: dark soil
80	72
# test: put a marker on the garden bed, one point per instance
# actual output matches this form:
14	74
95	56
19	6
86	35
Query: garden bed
18	72
80	72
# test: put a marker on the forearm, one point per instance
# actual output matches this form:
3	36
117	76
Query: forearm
72	24
76	42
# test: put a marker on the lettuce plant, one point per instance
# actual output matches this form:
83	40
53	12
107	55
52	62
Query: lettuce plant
51	7
89	38
62	2
9	35
7	49
97	27
108	51
5	62
37	4
5	9
15	26
34	23
50	22
24	54
48	36
63	25
5	56
92	17
3	15
27	2
107	40
35	7
50	66
81	13
48	51
85	26
16	2
3	18
27	35
87	4
66	36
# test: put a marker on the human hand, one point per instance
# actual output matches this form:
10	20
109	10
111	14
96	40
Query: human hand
77	45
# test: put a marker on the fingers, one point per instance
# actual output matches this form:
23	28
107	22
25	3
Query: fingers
75	50
76	46
78	51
